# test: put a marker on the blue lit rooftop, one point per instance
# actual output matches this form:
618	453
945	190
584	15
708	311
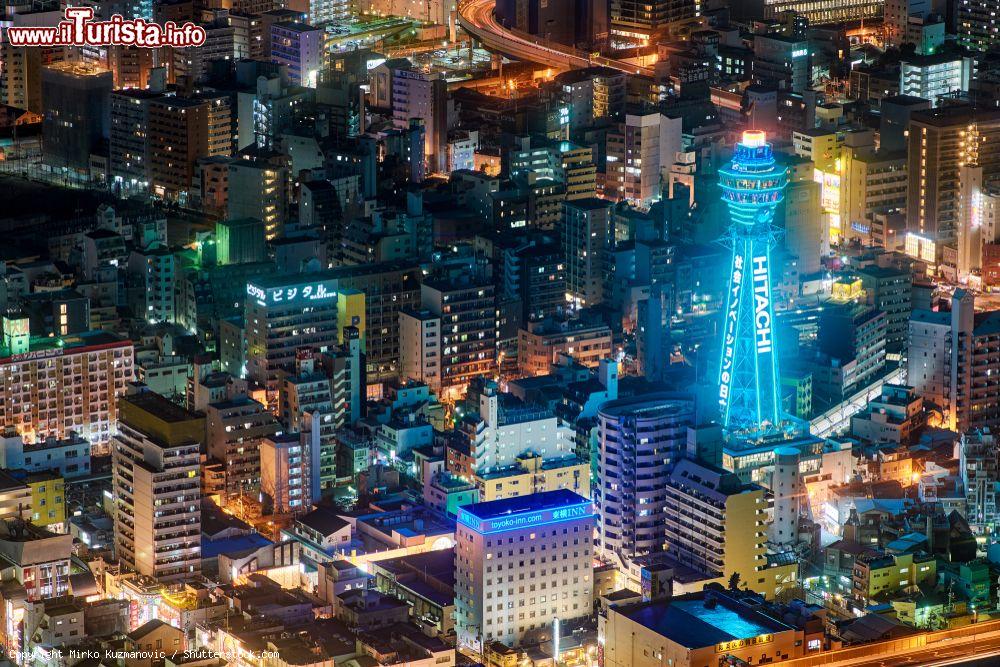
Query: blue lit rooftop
689	622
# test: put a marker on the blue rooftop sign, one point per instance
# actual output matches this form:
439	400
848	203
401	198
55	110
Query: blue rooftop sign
524	519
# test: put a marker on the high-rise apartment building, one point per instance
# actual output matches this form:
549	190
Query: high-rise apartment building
592	95
872	183
258	188
979	24
638	150
979	467
640	440
896	16
235	430
128	144
718	526
468	314
934	76
155	269
587	237
52	387
181	131
509	428
520	564
889	290
157	487
300	47
413	94
953	361
285	472
941	141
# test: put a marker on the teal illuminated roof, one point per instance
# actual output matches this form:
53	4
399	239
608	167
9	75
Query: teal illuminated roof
46	346
694	624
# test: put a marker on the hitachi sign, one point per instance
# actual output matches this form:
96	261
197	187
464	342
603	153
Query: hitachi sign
762	309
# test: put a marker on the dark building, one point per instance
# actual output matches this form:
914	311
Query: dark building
77	113
571	22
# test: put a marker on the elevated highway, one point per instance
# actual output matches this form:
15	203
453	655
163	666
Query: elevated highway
477	18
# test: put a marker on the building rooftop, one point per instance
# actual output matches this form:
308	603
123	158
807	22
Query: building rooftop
161	407
56	346
547	500
701	620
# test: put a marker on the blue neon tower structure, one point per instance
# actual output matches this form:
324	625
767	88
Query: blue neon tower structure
749	383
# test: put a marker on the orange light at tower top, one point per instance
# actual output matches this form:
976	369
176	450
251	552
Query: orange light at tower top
754	138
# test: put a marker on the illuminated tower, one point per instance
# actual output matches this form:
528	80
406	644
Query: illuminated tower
749	384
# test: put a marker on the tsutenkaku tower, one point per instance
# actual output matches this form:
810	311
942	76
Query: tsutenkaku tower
749	383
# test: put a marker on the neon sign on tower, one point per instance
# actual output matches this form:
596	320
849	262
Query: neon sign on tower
749	383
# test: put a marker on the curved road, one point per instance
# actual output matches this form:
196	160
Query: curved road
477	18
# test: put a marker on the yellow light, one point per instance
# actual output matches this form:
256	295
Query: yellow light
754	138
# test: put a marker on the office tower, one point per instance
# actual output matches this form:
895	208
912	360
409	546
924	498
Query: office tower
941	141
935	76
52	387
951	360
300	47
240	241
502	593
258	188
183	130
782	61
592	95
978	24
640	440
716	526
235	430
77	116
285	473
633	22
587	237
435	11
157	487
282	314
467	309
817	13
749	383
638	150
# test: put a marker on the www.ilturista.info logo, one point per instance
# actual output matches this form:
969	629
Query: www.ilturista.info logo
79	29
